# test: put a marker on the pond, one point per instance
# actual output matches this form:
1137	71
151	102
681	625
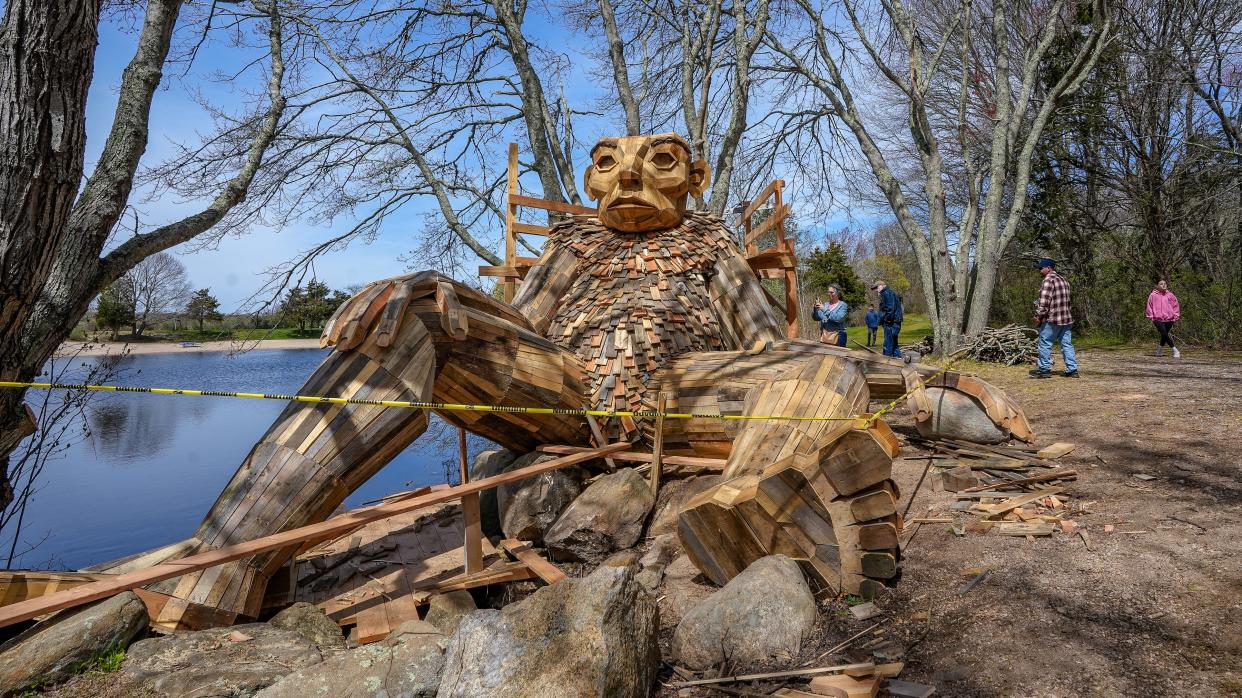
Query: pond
146	468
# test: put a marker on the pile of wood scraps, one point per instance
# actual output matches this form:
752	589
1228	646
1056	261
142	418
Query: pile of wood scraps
1014	491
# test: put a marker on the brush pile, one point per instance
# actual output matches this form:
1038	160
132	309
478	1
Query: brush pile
1008	345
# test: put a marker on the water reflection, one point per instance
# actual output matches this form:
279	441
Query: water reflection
152	465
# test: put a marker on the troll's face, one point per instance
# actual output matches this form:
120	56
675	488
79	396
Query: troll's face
641	182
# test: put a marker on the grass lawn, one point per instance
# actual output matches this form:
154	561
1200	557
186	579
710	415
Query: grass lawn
914	327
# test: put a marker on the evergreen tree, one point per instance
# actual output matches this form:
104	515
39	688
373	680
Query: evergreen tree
116	307
203	306
830	267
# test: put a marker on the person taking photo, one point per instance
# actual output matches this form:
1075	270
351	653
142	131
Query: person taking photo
831	318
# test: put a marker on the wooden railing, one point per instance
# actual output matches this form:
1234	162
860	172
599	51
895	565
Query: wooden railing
779	260
515	267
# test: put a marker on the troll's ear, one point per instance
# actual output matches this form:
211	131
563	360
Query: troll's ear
700	173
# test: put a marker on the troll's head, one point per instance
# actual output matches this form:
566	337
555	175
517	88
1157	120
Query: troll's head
641	182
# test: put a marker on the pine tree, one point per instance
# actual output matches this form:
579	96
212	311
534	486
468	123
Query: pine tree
203	306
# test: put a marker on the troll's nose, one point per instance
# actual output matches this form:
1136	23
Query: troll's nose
631	174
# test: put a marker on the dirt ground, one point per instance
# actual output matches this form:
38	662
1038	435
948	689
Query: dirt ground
1152	609
1155	608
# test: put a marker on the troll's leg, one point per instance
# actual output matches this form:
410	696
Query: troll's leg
817	491
420	338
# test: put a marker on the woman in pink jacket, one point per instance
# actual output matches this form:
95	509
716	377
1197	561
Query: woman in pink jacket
1163	311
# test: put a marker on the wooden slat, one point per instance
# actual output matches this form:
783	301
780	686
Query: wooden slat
532	202
471	516
764	195
94	591
778	216
509	285
657	449
521	550
528	229
630	457
506	272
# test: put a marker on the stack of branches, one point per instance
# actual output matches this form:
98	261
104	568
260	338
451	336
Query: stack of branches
1008	345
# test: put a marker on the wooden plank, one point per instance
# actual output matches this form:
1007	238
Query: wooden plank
1015	502
657	448
506	272
630	457
759	200
532	202
94	591
1044	477
452	317
528	229
509	286
471	515
545	570
1055	450
777	218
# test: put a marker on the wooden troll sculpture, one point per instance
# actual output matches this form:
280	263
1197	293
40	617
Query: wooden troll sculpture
647	297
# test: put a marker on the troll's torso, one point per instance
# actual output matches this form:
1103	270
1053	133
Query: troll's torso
638	300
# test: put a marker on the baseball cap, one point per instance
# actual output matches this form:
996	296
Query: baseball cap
1045	262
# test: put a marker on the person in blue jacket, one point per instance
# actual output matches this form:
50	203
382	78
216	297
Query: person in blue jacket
832	316
890	317
873	323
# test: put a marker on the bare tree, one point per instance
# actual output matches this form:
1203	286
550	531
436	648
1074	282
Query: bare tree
53	227
159	285
965	75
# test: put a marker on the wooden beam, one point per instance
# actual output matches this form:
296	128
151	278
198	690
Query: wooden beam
657	448
758	202
545	570
472	519
505	272
529	229
600	440
532	202
631	457
25	610
509	285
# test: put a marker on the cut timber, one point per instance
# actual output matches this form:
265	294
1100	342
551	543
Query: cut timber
521	550
990	510
842	686
19	585
94	591
630	457
1055	450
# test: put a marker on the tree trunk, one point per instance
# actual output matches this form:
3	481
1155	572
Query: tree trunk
47	56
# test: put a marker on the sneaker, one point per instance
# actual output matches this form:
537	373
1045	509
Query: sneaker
1176	354
1041	374
1038	371
1070	374
1160	350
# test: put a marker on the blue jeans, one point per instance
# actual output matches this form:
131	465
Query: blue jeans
890	339
1049	334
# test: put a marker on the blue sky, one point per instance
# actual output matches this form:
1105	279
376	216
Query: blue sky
236	269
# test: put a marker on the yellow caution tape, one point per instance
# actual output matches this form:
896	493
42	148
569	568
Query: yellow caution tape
451	407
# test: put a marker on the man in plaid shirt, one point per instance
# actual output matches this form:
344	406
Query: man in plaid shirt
1052	314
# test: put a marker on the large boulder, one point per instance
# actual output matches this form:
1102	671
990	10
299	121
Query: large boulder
760	615
309	621
235	662
682	588
528	507
488	464
594	636
445	611
653	563
607	516
673	498
51	651
958	416
406	665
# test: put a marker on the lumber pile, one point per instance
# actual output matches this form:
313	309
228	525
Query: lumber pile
1013	491
1008	345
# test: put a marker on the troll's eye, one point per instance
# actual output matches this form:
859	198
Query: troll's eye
663	161
605	162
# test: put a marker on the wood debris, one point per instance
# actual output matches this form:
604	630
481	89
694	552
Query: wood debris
1009	345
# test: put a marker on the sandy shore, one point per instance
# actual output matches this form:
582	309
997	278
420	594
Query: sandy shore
118	348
